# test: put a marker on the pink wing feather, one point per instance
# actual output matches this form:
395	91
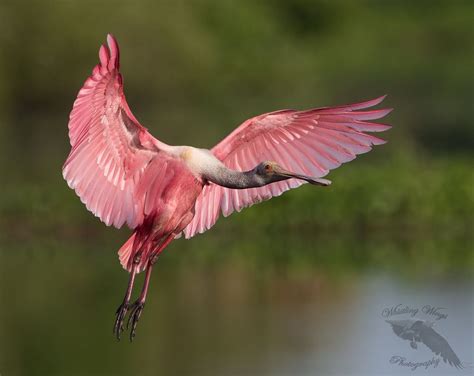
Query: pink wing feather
309	142
110	148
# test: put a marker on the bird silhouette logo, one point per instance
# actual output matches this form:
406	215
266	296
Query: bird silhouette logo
421	331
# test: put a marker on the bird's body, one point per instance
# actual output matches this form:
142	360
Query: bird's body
126	176
171	189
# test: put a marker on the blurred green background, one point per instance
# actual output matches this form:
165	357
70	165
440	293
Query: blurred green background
193	71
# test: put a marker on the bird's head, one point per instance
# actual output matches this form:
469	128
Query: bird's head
271	172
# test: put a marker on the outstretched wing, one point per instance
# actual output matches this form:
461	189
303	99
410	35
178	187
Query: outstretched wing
309	142
438	344
109	147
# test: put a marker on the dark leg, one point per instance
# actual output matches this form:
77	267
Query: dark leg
124	307
139	305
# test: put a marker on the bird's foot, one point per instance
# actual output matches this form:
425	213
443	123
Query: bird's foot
120	318
135	313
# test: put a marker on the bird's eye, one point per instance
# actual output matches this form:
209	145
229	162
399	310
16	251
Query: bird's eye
268	167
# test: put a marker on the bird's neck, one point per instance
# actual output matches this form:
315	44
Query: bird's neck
235	179
204	164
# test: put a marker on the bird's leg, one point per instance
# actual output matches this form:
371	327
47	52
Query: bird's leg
123	308
139	304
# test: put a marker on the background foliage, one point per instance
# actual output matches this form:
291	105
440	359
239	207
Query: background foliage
195	70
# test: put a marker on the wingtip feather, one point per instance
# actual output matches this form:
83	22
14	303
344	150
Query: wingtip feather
378	141
369	115
365	104
369	103
114	52
104	55
388	110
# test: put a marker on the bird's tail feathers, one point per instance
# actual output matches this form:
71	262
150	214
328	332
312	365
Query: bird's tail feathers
125	252
138	242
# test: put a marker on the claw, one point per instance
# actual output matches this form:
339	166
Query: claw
135	314
121	313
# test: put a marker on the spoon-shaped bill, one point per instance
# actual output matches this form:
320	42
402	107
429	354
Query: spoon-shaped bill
309	179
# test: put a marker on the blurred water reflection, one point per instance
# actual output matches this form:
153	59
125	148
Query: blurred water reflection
229	316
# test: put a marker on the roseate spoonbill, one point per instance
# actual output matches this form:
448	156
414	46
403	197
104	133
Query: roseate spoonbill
126	176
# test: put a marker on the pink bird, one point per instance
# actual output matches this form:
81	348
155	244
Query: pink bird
124	175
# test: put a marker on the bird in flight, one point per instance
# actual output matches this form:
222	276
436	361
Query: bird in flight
124	175
422	331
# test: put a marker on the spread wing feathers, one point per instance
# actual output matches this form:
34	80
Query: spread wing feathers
109	147
311	142
438	344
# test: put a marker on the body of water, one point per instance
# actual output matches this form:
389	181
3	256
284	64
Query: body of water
226	316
